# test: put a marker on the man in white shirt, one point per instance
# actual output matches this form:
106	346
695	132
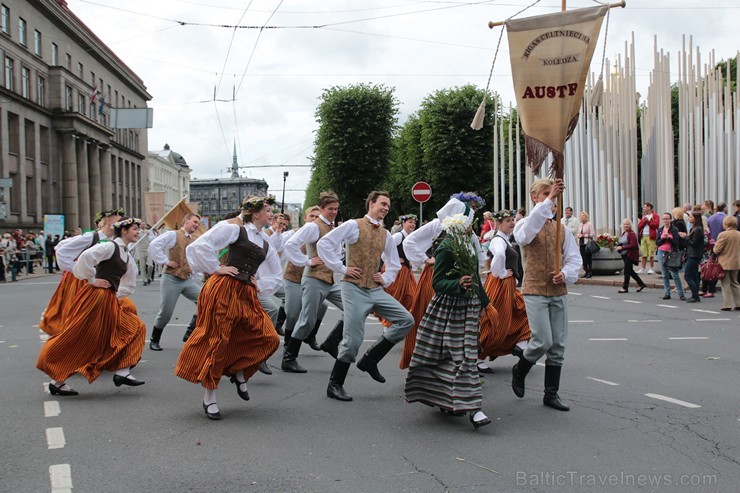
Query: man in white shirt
569	221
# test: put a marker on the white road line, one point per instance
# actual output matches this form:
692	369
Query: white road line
707	320
673	401
704	311
575	294
46	387
581	321
13	346
177	325
51	409
37	326
608	339
2	342
602	381
632	301
687	338
61	478
540	364
643	321
332	307
600	297
666	306
55	438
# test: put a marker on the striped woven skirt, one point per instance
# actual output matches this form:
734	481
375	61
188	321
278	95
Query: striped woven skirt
505	322
403	290
233	334
100	333
443	371
424	294
53	317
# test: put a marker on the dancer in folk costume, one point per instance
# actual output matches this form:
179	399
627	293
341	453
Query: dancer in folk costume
504	327
177	276
101	330
443	371
416	247
273	304
403	288
367	242
545	292
67	252
233	334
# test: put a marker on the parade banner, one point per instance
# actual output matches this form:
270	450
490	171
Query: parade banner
173	219
550	57
54	225
153	207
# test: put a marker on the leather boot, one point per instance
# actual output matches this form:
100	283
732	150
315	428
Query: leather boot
311	339
331	344
335	390
552	384
190	329
369	362
286	340
154	340
519	372
280	319
290	364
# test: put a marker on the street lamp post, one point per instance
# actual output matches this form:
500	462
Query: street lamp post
282	202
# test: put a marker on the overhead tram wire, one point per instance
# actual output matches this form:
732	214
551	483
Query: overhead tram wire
231	43
254	48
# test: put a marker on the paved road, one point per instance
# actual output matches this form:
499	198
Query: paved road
653	387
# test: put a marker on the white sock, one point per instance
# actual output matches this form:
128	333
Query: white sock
482	364
210	397
124	372
60	385
242	381
479	416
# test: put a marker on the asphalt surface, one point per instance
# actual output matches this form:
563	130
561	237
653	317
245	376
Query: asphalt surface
653	387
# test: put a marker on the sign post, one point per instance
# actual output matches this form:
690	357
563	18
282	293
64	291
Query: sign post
421	192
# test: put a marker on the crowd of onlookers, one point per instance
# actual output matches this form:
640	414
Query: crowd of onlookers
21	253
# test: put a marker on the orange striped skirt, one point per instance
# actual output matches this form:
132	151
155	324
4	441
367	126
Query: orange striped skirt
233	334
53	317
403	290
100	333
424	295
504	322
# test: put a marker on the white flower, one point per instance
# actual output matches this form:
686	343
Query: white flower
457	223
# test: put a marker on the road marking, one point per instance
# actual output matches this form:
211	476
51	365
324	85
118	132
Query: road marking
581	321
707	320
687	338
177	325
51	409
602	381
13	346
37	326
46	387
332	308
2	342
643	321
632	301
600	297
673	401
608	339
61	478
704	311
540	364
666	306
55	438
575	294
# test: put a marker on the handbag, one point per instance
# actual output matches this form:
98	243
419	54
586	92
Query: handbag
711	270
674	259
592	247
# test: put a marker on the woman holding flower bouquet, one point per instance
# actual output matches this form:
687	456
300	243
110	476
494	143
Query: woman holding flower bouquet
443	371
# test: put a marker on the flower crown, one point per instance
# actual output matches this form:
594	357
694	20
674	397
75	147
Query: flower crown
503	214
406	217
127	222
475	201
112	212
257	202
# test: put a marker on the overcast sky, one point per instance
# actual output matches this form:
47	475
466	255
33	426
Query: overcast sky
277	75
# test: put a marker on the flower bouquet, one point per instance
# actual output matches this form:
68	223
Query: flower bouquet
458	228
605	240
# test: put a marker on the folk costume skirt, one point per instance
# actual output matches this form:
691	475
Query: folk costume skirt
100	333
52	318
403	290
424	294
505	321
443	371
233	334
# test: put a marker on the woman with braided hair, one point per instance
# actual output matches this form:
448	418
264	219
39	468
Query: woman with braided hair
101	331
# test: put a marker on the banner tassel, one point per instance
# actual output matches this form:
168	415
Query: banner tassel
597	92
480	115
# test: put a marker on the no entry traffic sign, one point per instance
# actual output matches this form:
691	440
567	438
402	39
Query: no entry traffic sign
421	191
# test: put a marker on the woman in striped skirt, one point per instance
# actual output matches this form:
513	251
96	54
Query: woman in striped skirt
101	331
443	371
504	328
403	288
233	335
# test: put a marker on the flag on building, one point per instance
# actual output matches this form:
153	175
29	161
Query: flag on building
94	96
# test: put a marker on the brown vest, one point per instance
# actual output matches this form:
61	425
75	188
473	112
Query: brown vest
539	262
245	255
177	254
293	273
112	269
320	272
366	252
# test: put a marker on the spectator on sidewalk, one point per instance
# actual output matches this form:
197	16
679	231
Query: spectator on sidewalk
584	234
667	242
727	250
715	225
694	254
569	221
647	230
630	251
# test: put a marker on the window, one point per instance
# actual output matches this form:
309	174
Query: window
25	82
80	70
14	136
68	61
22	31
68	98
9	75
81	103
37	42
41	91
5	20
92	78
54	54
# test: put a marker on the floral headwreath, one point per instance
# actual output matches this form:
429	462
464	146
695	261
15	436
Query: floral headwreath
475	201
503	214
406	217
127	222
257	202
112	212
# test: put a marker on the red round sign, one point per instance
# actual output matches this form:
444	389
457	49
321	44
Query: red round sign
421	191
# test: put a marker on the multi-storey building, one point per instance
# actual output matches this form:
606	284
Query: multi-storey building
169	173
58	151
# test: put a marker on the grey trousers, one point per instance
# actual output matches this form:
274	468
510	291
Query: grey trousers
170	289
358	304
548	320
293	295
314	294
270	306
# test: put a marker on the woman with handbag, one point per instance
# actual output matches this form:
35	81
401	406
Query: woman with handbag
585	235
727	250
669	256
630	251
694	254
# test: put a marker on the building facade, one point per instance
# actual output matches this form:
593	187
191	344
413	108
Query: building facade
168	172
217	197
58	151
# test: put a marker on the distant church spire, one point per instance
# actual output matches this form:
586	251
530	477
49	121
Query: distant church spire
234	165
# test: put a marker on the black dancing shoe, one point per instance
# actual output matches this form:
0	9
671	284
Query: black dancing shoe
244	395
214	416
484	369
263	368
132	382
154	346
336	391
58	390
